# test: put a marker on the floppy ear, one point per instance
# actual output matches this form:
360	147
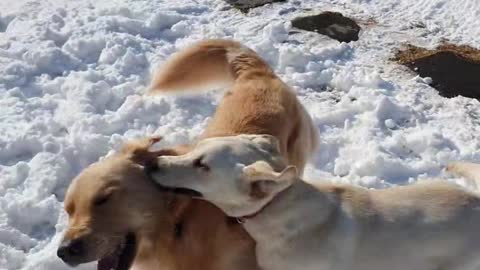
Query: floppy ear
264	181
139	150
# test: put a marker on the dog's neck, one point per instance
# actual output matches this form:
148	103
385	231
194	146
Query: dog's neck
147	257
288	208
155	235
243	219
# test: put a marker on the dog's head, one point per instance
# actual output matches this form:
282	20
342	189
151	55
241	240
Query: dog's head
109	204
234	173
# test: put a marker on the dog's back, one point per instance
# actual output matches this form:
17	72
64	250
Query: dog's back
424	226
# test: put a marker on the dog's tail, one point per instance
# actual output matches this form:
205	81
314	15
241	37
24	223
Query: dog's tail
208	63
468	170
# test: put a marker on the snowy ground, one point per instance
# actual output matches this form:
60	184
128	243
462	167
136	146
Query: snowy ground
72	75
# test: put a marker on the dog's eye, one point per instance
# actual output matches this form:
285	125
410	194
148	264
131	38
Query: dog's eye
101	200
198	163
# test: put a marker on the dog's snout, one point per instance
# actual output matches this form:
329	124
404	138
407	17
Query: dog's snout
71	250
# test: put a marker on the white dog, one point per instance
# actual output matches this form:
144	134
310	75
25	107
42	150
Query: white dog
431	225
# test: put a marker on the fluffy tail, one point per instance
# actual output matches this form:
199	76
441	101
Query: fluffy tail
207	63
466	169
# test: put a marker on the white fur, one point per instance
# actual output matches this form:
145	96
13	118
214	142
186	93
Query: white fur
233	152
431	225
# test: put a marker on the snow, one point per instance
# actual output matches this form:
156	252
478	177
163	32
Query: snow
73	74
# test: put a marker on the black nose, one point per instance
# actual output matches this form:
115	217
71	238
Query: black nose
151	167
71	250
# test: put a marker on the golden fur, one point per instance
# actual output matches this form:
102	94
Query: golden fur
206	238
258	102
176	232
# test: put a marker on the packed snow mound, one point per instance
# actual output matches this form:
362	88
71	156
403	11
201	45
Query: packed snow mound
73	74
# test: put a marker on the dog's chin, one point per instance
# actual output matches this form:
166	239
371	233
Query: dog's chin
181	191
123	256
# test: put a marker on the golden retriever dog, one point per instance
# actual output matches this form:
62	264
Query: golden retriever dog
430	225
118	217
258	102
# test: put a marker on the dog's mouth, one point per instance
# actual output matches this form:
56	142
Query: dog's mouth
122	257
182	191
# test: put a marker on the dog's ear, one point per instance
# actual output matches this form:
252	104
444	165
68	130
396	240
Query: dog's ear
264	181
139	150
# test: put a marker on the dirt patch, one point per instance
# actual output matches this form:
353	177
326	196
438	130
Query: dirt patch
332	24
455	70
246	5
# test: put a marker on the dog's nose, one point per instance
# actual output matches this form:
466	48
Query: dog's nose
70	250
150	168
156	167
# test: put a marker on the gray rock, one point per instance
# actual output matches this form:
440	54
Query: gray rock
245	5
332	24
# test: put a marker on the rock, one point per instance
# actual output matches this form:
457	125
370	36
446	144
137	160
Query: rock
245	5
332	24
